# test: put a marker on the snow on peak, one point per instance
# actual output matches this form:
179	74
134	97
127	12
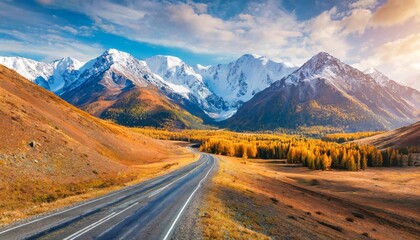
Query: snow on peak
379	77
28	68
370	70
324	66
68	63
253	58
116	55
199	67
240	80
250	56
177	73
114	51
171	61
161	63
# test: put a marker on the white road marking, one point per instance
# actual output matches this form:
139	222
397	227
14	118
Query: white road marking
169	184
39	219
186	203
95	224
67	210
90	226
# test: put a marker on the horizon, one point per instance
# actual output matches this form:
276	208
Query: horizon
207	33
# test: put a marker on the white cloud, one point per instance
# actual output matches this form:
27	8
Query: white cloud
398	59
51	51
357	21
364	4
34	34
395	12
263	28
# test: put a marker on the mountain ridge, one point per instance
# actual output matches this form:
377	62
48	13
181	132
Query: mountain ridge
215	93
169	72
323	91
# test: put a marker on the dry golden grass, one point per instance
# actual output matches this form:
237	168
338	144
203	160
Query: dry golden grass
402	137
50	151
255	201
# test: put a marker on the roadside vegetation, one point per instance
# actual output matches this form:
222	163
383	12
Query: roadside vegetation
311	153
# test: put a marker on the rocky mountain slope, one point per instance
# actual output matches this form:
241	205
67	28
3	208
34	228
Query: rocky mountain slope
410	95
327	92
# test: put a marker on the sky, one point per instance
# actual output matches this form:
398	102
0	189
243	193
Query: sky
384	34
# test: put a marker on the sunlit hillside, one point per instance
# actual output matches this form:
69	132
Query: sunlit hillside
50	150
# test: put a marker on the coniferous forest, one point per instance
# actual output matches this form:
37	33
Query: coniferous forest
311	153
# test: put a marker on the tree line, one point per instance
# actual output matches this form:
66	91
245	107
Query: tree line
346	137
311	153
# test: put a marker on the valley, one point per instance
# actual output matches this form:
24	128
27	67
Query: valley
241	119
74	159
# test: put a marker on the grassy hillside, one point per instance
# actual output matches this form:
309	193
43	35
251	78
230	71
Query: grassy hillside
50	150
408	136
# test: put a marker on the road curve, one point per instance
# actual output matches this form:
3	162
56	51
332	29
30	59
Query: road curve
149	210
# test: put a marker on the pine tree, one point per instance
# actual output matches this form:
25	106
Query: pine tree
400	160
344	160
410	160
231	150
358	159
351	165
326	162
244	155
364	162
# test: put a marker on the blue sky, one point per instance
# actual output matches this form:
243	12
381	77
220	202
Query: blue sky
364	33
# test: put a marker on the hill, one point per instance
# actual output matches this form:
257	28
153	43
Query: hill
402	137
51	150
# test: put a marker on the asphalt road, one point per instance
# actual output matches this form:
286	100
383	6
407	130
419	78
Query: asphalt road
149	210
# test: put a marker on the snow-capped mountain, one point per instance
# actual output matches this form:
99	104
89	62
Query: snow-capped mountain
37	72
240	80
53	76
217	90
178	74
410	95
413	82
324	91
380	78
121	88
